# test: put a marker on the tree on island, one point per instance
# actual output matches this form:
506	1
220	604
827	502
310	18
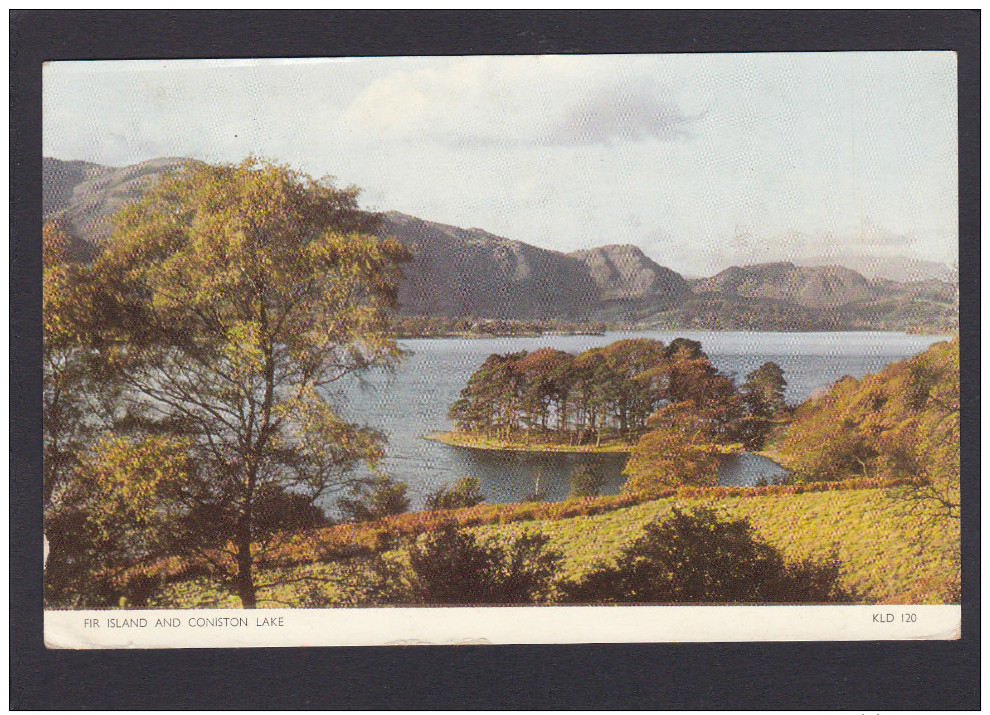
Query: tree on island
226	299
629	391
764	391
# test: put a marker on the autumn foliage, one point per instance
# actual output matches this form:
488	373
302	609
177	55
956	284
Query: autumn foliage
900	423
224	302
345	541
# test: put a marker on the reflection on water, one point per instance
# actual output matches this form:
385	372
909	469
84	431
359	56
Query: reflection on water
746	470
512	476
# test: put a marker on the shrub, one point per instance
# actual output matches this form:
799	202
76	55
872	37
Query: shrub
278	509
375	499
464	493
696	558
451	567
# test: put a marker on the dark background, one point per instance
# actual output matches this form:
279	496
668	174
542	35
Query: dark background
856	676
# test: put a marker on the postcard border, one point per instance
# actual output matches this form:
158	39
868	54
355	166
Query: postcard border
822	675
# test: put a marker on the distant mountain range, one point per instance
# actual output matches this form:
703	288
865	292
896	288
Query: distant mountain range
461	272
894	268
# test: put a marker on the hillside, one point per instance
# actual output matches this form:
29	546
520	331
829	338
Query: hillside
881	558
821	287
470	273
902	421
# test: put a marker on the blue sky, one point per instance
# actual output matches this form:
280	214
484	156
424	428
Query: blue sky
703	161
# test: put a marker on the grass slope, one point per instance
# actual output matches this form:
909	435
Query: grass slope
884	556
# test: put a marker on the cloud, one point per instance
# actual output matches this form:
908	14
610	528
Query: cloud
520	101
616	113
872	234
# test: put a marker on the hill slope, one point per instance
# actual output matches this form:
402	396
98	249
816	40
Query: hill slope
902	421
821	287
469	272
881	558
459	272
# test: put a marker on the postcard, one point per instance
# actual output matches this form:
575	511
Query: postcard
501	349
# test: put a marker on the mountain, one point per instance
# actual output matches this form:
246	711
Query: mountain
893	268
469	272
837	298
822	287
458	272
626	273
455	271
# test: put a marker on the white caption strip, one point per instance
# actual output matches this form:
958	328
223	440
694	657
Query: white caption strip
235	628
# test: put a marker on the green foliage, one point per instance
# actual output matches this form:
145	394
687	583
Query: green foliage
763	390
375	498
464	493
110	514
585	482
451	567
698	558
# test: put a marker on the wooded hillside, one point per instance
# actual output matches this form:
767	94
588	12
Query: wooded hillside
901	422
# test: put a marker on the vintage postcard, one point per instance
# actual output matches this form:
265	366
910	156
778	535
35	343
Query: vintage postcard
501	349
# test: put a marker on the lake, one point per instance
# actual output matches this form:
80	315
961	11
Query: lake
414	399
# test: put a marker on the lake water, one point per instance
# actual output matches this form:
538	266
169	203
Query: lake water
414	400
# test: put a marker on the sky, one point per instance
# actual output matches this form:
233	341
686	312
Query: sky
703	161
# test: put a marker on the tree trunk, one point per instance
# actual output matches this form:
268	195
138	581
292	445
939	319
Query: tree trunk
244	581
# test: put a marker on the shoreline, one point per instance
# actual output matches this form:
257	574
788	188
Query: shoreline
457	439
660	329
488	336
467	441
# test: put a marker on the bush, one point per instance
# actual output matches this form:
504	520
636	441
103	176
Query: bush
696	558
464	493
375	499
450	567
585	482
277	509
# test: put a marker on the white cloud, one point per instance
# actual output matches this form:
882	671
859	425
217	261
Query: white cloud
507	101
680	154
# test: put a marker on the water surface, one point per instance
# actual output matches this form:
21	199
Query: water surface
414	400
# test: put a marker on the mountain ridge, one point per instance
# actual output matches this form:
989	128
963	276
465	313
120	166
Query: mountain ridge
469	272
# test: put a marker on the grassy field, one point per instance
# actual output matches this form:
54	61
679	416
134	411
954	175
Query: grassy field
884	557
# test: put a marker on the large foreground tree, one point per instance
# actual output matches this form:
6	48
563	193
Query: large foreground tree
230	298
